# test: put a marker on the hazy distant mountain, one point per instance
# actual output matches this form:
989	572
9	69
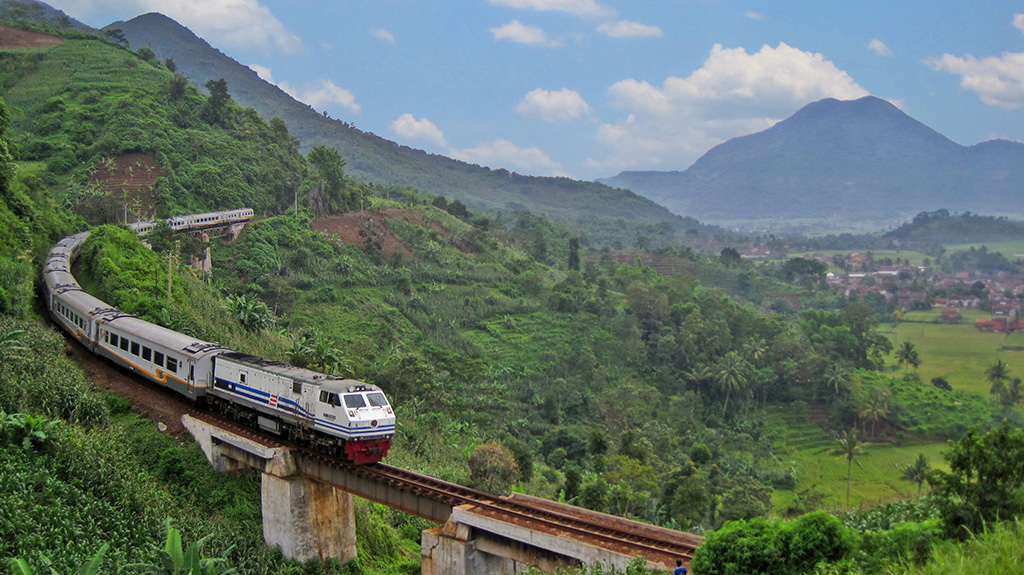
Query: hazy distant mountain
39	13
376	159
861	160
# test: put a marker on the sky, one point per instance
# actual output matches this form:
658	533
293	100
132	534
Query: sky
589	88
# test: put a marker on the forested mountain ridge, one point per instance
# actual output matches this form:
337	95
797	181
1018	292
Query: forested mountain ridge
372	158
848	160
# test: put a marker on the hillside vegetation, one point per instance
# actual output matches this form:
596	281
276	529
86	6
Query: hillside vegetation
589	376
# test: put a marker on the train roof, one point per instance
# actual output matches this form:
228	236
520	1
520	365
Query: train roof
131	325
330	383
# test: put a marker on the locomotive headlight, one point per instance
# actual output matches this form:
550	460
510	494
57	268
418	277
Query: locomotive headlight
351	413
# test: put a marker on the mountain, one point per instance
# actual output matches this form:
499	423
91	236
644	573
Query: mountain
372	158
39	13
851	161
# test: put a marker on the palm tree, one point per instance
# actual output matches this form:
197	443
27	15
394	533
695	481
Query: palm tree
996	374
848	447
699	375
907	354
876	407
731	376
755	350
836	377
917	472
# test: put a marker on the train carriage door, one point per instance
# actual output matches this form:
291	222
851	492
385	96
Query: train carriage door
303	395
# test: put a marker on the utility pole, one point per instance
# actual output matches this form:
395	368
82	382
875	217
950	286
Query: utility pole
170	260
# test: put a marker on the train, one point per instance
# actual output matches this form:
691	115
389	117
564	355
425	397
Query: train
337	416
195	222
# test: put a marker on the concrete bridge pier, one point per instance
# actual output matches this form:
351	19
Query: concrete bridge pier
462	547
306	518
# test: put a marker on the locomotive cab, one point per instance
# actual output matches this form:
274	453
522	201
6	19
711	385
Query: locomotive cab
362	413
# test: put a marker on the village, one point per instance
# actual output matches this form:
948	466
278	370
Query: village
910	287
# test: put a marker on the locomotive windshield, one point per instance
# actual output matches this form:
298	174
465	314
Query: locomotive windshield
377	399
354	400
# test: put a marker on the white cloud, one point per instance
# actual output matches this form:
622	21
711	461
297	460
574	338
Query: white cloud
383	34
558	107
1018	22
322	94
879	47
263	72
227	23
751	15
574	7
516	31
410	128
997	81
505	154
624	29
732	94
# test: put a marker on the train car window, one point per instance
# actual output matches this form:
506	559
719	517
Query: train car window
147	354
113	340
377	399
355	400
172	365
124	343
324	396
135	348
296	386
158	358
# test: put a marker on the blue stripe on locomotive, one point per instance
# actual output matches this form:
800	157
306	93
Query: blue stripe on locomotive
263	398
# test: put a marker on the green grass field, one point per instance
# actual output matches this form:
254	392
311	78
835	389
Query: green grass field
958	352
1012	249
875	478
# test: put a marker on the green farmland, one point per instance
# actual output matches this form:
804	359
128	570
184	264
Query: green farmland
958	352
875	479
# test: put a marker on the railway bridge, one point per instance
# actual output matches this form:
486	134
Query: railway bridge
307	511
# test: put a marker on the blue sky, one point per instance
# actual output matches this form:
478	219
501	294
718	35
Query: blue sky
588	88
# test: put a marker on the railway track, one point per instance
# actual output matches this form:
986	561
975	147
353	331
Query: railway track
656	544
626	537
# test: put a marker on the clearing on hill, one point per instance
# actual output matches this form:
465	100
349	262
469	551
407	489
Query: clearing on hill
132	179
14	38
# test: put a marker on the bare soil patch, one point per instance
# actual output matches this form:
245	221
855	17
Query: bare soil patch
346	227
131	176
14	38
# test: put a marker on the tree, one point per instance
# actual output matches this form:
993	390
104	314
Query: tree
907	354
985	481
997	373
492	468
731	375
116	36
875	407
329	171
215	111
836	377
848	447
574	254
917	472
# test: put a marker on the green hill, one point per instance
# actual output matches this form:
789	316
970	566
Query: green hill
595	209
